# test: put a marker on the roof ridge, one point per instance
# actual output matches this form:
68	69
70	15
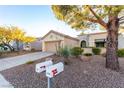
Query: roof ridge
56	32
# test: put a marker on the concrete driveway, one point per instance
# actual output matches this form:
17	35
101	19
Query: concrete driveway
7	63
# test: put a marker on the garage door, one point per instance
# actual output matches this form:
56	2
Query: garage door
52	46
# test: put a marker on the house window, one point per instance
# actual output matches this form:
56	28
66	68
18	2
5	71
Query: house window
83	44
100	42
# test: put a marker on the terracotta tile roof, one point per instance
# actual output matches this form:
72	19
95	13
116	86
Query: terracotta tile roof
61	34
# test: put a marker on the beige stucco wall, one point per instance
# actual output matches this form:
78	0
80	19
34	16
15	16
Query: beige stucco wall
103	36
71	42
64	41
83	38
52	37
121	41
97	36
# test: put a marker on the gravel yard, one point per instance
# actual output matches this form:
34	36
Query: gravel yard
78	74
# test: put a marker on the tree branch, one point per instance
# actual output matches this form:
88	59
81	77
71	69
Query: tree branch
91	20
86	18
100	21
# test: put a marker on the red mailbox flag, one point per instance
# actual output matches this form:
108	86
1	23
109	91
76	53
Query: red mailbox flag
54	72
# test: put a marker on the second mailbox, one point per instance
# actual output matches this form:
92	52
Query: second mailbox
54	70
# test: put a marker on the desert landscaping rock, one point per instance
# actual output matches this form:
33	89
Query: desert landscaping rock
78	74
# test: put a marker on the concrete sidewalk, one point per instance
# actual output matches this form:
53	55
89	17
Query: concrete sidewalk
4	83
7	63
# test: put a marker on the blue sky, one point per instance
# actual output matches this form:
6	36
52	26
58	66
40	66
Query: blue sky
35	20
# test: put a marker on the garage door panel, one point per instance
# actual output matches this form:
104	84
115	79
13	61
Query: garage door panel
52	46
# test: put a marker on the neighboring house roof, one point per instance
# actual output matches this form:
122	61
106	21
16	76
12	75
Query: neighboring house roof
61	34
39	38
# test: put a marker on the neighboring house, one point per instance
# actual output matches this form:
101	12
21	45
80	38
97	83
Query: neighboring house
98	40
15	45
53	40
27	46
37	45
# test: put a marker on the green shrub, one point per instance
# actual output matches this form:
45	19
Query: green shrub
64	51
96	51
76	51
88	54
120	53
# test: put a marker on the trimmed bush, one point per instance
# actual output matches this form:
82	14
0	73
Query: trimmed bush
64	51
76	51
96	51
120	53
87	54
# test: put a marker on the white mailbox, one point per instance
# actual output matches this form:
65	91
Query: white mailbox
53	70
40	67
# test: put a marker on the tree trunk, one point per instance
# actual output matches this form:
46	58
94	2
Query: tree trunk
112	43
17	44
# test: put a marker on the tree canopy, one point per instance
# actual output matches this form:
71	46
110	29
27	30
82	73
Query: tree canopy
13	33
82	17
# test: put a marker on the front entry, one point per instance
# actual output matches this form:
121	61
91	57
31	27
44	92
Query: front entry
52	46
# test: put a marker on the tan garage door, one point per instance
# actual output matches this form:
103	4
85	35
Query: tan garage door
52	46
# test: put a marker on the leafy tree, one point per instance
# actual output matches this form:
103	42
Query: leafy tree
5	37
83	17
17	35
12	33
29	39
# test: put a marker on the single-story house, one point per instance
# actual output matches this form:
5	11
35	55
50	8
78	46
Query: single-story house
54	40
98	40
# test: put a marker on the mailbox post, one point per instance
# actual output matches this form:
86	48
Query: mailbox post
52	71
49	82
